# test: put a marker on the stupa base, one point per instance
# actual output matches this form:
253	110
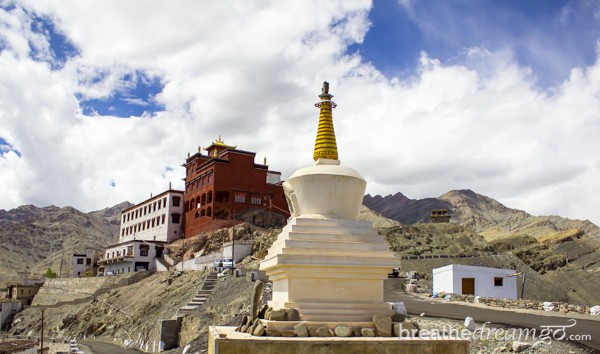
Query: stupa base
225	340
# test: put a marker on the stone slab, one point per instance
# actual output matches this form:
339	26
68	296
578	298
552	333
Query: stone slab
224	340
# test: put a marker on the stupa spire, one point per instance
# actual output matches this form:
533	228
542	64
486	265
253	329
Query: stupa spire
325	144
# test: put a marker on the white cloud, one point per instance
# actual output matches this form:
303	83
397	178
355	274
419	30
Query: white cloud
252	73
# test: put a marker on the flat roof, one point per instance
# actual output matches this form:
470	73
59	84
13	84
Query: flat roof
158	196
473	269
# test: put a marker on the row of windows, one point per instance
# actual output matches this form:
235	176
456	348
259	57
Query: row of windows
240	197
128	252
204	180
149	208
148	224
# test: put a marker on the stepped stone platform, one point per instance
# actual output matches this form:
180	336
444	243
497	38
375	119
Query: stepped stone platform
225	340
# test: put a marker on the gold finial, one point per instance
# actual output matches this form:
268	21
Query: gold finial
325	144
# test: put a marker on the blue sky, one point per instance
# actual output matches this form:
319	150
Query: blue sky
550	37
101	102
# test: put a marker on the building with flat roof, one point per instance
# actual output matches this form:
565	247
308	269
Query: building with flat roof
226	183
472	280
159	218
85	263
145	230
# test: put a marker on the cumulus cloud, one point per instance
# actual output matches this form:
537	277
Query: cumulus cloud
251	74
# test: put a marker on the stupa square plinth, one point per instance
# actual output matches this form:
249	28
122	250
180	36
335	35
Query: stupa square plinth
326	263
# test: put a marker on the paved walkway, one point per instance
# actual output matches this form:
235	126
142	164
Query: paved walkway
416	305
90	347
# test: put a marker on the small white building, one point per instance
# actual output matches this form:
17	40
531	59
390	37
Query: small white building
159	218
85	262
473	280
238	250
131	256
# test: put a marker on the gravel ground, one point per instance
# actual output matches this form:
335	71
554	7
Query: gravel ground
485	344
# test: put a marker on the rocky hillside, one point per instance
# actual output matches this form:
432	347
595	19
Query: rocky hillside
33	239
403	209
565	252
494	220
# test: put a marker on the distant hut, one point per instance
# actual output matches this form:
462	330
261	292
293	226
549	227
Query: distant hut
439	215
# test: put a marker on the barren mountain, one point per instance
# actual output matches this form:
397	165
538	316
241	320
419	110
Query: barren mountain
33	239
494	220
563	251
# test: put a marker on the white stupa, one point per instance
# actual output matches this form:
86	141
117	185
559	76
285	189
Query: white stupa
326	263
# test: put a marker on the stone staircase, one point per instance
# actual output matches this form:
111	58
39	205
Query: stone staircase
201	296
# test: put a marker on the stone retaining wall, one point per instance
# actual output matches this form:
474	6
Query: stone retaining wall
561	307
61	290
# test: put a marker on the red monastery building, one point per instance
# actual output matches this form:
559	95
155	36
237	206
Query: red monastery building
224	184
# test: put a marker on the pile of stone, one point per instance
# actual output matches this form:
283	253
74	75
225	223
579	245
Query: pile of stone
383	326
522	304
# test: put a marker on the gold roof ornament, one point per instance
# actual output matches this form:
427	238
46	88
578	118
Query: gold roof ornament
221	143
325	144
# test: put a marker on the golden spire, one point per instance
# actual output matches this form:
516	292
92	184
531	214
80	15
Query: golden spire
325	145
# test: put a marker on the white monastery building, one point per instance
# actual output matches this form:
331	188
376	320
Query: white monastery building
472	280
145	230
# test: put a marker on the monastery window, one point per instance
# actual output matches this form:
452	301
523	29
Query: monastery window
136	213
209	177
203	200
153	222
123	232
124	218
80	261
239	197
197	215
144	250
130	250
222	197
148	224
202	212
164	202
154	206
209	211
210	197
118	253
175	218
186	208
176	201
498	281
256	200
203	181
157	220
163	219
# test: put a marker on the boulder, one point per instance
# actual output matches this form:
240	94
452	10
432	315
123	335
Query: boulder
256	295
343	331
323	332
312	330
383	325
259	330
470	323
301	330
520	346
367	332
357	332
293	315
278	315
406	329
595	310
